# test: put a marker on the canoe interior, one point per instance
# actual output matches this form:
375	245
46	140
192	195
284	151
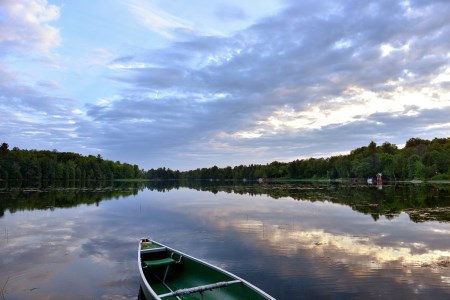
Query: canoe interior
184	272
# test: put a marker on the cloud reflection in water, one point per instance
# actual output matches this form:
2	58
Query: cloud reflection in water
359	244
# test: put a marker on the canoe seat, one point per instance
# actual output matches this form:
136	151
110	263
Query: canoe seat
153	250
159	262
167	261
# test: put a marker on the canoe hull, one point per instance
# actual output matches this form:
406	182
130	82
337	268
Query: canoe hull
170	274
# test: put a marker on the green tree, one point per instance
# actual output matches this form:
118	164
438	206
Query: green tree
362	167
32	169
416	169
15	171
343	166
4	149
388	148
388	164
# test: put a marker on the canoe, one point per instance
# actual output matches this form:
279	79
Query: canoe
170	274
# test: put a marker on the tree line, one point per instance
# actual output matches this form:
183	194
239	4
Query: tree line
49	166
419	159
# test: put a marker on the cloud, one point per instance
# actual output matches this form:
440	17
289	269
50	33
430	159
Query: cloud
157	19
315	78
24	26
32	117
318	73
32	112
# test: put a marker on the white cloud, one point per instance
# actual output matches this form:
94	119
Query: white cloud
24	26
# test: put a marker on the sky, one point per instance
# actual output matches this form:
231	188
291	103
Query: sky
191	84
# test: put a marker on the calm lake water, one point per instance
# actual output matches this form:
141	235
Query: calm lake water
293	241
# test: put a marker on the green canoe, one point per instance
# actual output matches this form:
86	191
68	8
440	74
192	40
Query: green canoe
170	274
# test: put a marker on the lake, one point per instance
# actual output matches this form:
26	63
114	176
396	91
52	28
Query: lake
294	241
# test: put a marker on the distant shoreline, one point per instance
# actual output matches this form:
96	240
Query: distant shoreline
341	180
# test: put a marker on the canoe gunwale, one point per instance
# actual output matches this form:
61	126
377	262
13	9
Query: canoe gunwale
146	287
159	297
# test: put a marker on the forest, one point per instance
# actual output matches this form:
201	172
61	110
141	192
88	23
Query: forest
419	159
49	166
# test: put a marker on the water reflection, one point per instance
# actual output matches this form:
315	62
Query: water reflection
373	249
326	244
421	202
425	202
20	199
415	256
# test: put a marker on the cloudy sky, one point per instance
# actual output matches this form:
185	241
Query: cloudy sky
186	84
